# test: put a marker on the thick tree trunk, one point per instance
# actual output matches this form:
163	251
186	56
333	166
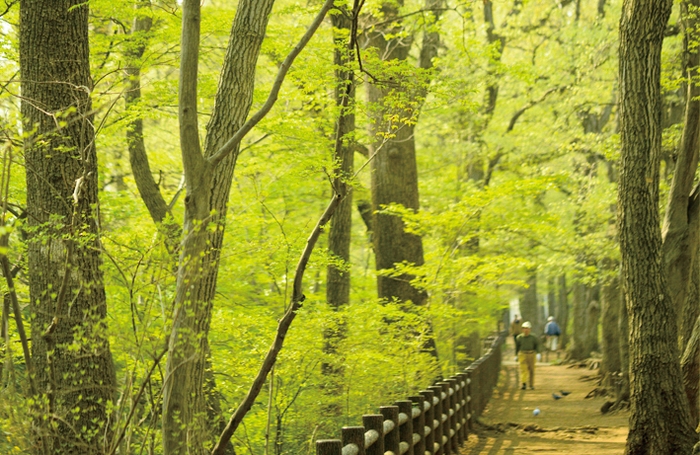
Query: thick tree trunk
659	419
529	307
394	169
74	370
394	178
577	348
551	298
611	300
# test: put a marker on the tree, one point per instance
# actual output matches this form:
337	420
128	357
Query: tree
659	420
208	176
74	370
394	170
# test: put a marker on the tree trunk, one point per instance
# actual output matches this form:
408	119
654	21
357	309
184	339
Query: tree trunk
208	186
563	313
611	300
394	178
592	321
623	325
680	230
529	307
394	170
74	370
339	235
577	349
551	298
659	419
690	366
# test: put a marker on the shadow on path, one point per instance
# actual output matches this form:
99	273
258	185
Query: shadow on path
569	425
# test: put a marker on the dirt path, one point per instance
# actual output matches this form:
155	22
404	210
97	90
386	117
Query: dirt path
570	425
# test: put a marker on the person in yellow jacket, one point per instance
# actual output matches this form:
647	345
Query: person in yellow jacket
527	349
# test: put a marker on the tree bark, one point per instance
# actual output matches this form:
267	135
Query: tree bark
339	235
394	175
208	177
592	321
611	301
563	312
184	419
680	236
529	307
690	366
577	348
659	419
74	370
394	170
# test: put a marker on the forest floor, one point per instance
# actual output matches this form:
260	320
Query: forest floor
570	425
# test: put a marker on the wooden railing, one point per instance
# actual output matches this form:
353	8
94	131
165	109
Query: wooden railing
435	422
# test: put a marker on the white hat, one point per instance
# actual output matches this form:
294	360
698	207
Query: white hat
527	325
551	318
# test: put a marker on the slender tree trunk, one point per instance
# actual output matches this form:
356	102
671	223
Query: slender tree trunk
74	370
563	312
592	321
690	366
659	419
339	235
551	298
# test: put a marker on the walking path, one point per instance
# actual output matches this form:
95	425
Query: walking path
569	425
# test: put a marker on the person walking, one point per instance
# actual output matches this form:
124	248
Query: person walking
527	349
552	332
515	327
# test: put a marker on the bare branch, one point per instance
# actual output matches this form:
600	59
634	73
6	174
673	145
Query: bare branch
282	328
231	144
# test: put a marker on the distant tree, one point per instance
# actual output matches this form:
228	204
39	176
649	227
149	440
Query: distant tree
394	170
659	419
74	370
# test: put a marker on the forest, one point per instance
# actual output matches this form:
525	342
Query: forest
234	228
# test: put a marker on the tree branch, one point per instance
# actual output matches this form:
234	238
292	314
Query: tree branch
282	328
531	104
231	144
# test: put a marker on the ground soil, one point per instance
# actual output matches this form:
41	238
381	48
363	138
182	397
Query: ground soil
570	425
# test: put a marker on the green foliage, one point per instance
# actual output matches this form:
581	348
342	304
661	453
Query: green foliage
523	185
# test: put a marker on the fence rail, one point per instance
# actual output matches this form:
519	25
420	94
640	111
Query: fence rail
434	422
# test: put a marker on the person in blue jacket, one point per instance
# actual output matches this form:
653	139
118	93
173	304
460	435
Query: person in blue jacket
552	332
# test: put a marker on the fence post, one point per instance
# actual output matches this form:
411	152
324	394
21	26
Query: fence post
447	423
429	421
406	430
329	447
375	422
455	425
437	416
463	410
419	424
391	439
470	408
354	435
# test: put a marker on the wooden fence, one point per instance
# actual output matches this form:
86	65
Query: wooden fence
435	422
